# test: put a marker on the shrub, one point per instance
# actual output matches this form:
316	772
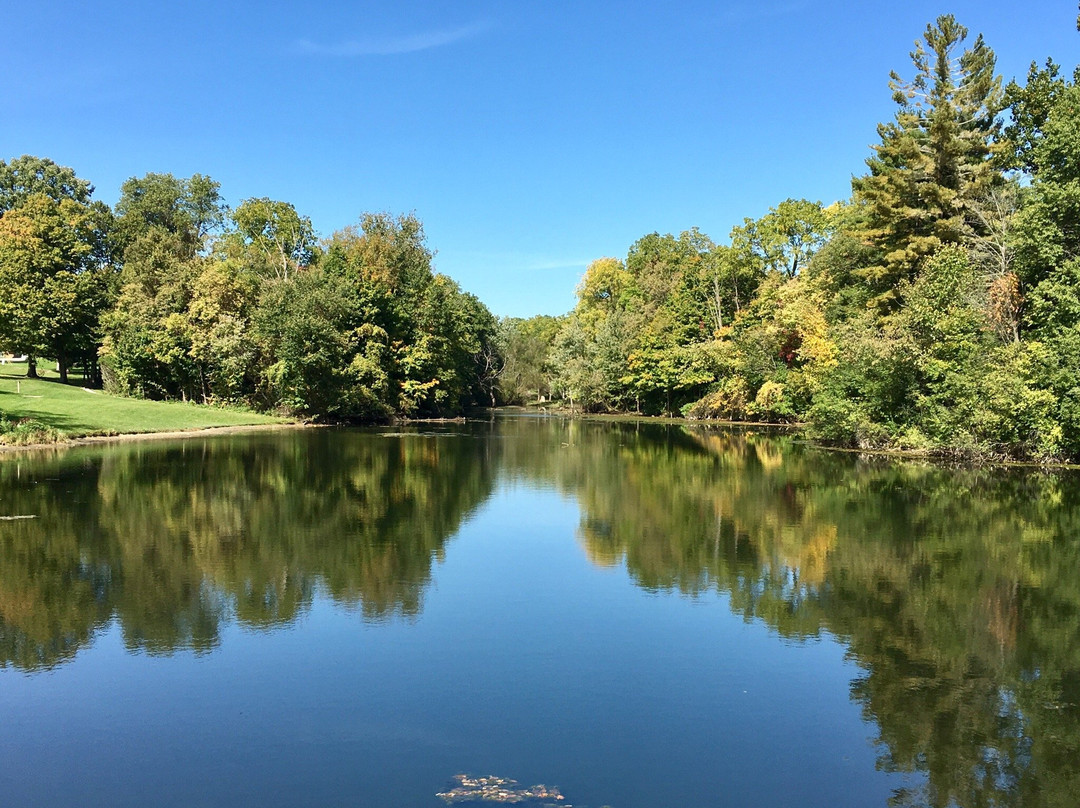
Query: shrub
23	431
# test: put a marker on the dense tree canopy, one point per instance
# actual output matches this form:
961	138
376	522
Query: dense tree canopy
180	297
27	175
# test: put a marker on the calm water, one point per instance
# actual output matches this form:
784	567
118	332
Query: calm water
641	615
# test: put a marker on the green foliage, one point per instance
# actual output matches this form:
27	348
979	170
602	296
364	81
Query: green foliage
934	159
1029	106
53	290
525	346
223	344
277	240
785	239
148	339
576	377
304	324
56	255
942	328
1049	223
637	336
22	431
437	346
25	176
1054	314
360	329
729	401
190	209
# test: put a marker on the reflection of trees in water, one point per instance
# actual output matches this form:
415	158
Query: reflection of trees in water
171	541
957	592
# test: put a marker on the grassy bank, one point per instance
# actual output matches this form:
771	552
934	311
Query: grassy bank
44	410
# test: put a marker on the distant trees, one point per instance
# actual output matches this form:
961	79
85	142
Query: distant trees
524	347
654	332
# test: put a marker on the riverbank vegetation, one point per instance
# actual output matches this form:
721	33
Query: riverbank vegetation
936	309
172	295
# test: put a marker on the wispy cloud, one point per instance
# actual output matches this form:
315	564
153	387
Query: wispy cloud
528	262
391	46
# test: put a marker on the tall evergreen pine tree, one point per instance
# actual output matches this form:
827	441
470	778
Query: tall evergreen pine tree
934	161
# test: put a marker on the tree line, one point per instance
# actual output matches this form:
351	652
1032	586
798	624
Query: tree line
173	295
936	309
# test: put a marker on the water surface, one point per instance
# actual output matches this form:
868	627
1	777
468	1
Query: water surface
639	614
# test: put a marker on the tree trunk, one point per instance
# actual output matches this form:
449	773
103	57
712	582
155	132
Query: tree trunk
62	368
31	367
90	370
717	303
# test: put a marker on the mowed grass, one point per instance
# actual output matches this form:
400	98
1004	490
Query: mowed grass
77	412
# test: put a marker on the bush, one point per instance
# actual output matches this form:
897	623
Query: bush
771	403
727	403
841	420
23	431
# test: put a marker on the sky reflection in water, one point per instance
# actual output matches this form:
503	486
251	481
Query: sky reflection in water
638	614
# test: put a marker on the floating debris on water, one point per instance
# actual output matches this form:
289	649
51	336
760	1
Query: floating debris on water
498	789
424	435
18	516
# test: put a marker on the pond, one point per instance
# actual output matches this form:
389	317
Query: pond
546	611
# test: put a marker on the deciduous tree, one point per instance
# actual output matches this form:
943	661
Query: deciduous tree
52	287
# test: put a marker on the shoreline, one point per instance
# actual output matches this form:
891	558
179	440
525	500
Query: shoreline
893	454
131	437
940	459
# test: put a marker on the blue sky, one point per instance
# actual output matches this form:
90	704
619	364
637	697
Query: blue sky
530	138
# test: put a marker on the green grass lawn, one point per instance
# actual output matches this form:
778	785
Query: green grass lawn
75	411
